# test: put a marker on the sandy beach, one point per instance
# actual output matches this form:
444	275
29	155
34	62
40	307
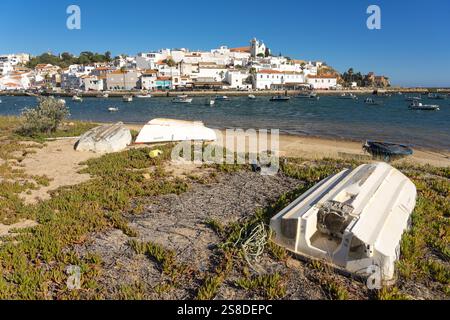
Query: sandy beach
318	147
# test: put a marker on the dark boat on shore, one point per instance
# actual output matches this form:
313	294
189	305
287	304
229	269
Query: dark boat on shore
387	151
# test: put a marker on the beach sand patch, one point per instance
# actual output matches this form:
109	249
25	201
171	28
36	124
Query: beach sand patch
59	161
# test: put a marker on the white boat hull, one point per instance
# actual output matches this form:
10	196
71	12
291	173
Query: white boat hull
376	201
168	130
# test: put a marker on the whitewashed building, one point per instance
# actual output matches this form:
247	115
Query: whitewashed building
148	79
270	79
93	83
324	82
238	79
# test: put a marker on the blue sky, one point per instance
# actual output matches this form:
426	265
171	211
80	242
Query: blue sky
413	46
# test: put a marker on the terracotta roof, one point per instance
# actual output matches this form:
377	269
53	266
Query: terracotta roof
323	76
241	49
150	71
163	78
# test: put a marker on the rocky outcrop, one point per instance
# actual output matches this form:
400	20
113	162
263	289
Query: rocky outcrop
105	139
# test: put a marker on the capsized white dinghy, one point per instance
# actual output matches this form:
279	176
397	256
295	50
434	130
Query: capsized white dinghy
168	130
354	219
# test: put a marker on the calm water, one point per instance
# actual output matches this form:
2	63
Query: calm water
328	117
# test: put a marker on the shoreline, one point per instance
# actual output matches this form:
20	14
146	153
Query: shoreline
312	147
233	93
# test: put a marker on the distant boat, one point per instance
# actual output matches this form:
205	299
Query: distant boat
307	95
436	96
113	109
386	150
415	105
103	95
222	98
144	96
251	96
413	98
280	98
371	101
182	99
127	99
349	96
210	102
77	99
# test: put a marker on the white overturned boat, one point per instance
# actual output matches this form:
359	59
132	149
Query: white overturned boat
354	219
416	105
169	130
251	96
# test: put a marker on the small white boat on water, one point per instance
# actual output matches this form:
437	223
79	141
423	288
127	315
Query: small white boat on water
127	99
144	96
436	96
307	95
210	102
77	99
182	99
354	220
251	96
349	96
113	109
416	105
372	101
413	98
222	98
169	130
105	95
280	98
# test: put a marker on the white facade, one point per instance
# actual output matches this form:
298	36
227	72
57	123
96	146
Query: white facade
93	83
322	82
237	79
265	79
148	80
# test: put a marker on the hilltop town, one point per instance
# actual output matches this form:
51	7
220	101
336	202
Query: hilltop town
247	68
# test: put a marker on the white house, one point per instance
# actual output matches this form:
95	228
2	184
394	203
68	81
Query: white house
148	79
238	79
323	82
211	70
15	81
93	83
270	79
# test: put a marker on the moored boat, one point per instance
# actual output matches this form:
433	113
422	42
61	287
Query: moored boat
307	95
127	98
349	96
280	98
77	99
144	96
182	99
113	109
372	101
416	105
413	98
222	98
251	96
